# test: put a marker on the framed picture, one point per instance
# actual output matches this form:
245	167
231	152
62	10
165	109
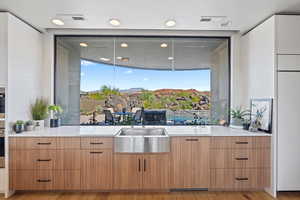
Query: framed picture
265	107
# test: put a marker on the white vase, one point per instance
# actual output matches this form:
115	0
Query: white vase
39	124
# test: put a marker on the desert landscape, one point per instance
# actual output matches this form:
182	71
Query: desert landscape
180	104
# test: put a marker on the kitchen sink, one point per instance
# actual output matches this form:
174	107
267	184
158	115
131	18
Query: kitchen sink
142	140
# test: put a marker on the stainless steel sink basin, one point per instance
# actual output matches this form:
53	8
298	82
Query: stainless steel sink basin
142	132
142	140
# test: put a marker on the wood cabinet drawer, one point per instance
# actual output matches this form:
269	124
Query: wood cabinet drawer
31	179
232	142
240	158
68	143
45	179
96	143
33	143
242	142
33	159
240	179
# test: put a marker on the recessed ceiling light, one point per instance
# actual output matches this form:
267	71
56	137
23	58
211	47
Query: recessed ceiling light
114	22
124	45
105	59
119	57
57	22
170	23
83	44
164	45
170	58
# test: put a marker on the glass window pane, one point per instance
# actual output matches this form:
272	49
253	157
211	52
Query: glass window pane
175	81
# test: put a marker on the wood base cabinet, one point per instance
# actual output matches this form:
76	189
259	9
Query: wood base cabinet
96	169
240	163
190	162
141	171
89	163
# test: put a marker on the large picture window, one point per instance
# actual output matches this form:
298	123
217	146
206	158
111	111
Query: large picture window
142	80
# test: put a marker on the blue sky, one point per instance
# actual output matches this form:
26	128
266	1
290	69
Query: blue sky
94	75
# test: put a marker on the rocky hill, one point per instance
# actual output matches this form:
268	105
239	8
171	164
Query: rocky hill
171	99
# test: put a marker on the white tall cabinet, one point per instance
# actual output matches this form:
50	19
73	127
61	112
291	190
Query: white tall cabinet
288	76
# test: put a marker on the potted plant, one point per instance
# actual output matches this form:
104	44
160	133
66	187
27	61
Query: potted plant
237	117
246	124
19	126
39	112
55	113
29	125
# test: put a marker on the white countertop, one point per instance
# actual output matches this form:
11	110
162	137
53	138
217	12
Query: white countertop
109	131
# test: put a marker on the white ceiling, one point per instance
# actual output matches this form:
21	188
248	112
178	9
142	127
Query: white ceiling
146	53
145	14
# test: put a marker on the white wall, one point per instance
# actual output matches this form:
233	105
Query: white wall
257	77
257	64
21	72
24	68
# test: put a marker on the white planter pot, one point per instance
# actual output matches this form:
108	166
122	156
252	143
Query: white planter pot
39	124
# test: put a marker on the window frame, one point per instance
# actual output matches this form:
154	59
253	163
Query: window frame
228	38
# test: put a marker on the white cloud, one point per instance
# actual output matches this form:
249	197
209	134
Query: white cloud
85	62
146	79
129	72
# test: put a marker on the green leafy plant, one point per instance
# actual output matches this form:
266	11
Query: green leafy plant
19	122
239	113
39	109
55	110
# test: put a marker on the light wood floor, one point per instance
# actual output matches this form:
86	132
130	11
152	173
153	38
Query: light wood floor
153	196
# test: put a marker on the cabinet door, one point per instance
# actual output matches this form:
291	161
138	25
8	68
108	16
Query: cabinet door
66	180
68	159
127	171
156	171
288	131
190	162
288	31
96	169
199	171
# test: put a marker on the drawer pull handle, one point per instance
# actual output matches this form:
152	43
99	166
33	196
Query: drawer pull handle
44	143
241	142
144	165
241	179
96	152
93	143
139	164
241	158
43	180
191	140
43	160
